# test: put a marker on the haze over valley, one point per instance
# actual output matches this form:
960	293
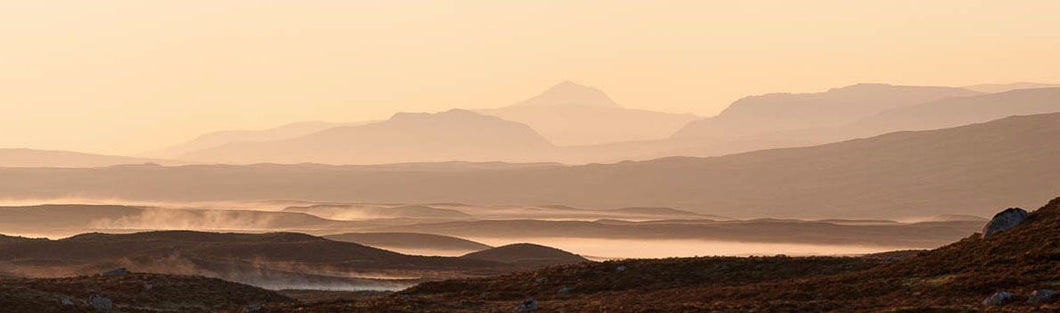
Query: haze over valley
575	156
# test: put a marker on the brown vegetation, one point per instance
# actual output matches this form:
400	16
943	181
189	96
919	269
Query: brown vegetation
954	278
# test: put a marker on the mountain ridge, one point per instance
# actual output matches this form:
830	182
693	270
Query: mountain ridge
454	135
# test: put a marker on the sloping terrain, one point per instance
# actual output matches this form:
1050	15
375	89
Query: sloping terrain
214	139
133	293
851	232
66	219
996	88
972	169
9	239
835	107
388	240
526	253
53	158
271	259
650	211
572	114
364	211
956	111
954	278
455	135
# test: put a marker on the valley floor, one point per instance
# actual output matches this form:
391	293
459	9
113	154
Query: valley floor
954	278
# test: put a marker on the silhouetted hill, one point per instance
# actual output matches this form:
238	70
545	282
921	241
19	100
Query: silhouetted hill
963	170
61	219
784	111
410	241
850	232
568	93
942	113
215	139
455	135
273	260
359	211
134	293
8	239
996	88
52	158
957	217
526	253
573	114
957	111
654	211
954	278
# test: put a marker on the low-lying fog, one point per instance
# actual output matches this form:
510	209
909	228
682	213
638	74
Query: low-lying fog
603	233
603	249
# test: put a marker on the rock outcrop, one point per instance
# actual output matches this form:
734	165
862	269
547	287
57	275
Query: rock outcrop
100	303
1003	221
1042	296
527	306
999	298
116	272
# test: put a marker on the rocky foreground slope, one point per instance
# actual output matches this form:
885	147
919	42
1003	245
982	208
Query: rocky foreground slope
1014	269
133	293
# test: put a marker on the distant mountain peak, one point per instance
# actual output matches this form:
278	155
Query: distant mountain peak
570	93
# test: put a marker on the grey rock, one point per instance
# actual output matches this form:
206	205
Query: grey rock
1042	296
527	306
620	268
116	272
256	308
999	298
100	303
565	290
66	302
1003	221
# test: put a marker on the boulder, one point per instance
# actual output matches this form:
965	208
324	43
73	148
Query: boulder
100	303
1042	296
999	298
116	272
527	306
256	308
565	290
1003	221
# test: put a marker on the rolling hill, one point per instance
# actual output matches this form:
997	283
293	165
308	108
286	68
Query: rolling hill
271	260
219	138
996	88
363	211
455	135
957	111
844	232
785	111
387	240
54	158
526	253
571	114
66	219
971	169
134	293
954	278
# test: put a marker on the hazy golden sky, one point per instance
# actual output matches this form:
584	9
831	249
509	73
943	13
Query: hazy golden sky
123	77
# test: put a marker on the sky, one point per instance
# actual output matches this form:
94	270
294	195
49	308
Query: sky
124	77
